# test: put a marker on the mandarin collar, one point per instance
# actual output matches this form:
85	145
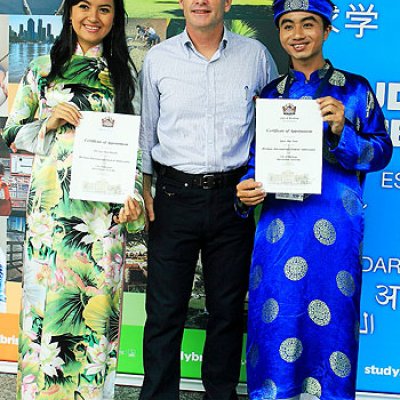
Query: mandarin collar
314	77
95	51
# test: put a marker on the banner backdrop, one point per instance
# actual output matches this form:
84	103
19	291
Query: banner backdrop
361	42
364	43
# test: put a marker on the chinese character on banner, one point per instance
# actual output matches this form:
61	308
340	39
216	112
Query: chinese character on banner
336	13
363	18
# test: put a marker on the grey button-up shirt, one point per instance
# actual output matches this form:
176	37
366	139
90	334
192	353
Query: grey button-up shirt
198	114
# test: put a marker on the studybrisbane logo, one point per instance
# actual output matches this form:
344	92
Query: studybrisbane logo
382	371
9	336
191	357
10	340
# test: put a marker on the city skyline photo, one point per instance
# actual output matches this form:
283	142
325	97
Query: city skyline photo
30	36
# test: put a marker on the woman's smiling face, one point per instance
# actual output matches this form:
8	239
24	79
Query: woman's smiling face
92	21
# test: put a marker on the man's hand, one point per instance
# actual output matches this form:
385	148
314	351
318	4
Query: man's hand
332	111
250	192
147	197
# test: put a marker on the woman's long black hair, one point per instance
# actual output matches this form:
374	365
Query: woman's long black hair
115	51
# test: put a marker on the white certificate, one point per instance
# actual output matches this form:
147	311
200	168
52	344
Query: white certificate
104	157
289	145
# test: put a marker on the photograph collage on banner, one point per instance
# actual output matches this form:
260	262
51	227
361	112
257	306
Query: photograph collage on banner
4	65
28	29
30	7
30	37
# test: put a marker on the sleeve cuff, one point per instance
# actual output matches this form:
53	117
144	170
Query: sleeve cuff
34	139
241	209
147	163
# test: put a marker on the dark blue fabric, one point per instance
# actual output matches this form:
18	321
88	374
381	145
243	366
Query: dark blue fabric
323	8
305	278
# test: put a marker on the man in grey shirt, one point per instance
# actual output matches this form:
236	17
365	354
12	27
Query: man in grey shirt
197	126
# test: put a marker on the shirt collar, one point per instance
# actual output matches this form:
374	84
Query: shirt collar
187	42
95	51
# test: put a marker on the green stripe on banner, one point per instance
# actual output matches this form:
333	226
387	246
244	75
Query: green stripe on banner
131	352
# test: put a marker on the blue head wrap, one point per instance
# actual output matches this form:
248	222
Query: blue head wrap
323	8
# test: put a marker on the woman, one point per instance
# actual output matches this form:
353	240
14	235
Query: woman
305	279
74	249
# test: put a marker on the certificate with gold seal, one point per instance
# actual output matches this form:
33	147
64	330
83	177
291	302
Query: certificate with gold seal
104	157
289	146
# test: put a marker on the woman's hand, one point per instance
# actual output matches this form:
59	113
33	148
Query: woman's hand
250	192
131	211
63	113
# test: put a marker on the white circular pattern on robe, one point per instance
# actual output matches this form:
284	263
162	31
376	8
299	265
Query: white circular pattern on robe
270	311
269	390
340	364
291	349
370	102
319	312
357	124
254	356
367	154
351	203
275	230
325	232
345	283
296	268
256	277
312	386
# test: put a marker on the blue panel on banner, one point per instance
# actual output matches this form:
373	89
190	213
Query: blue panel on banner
363	42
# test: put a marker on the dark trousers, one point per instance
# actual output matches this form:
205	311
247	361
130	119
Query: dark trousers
189	221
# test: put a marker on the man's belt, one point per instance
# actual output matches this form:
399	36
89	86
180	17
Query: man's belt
202	181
